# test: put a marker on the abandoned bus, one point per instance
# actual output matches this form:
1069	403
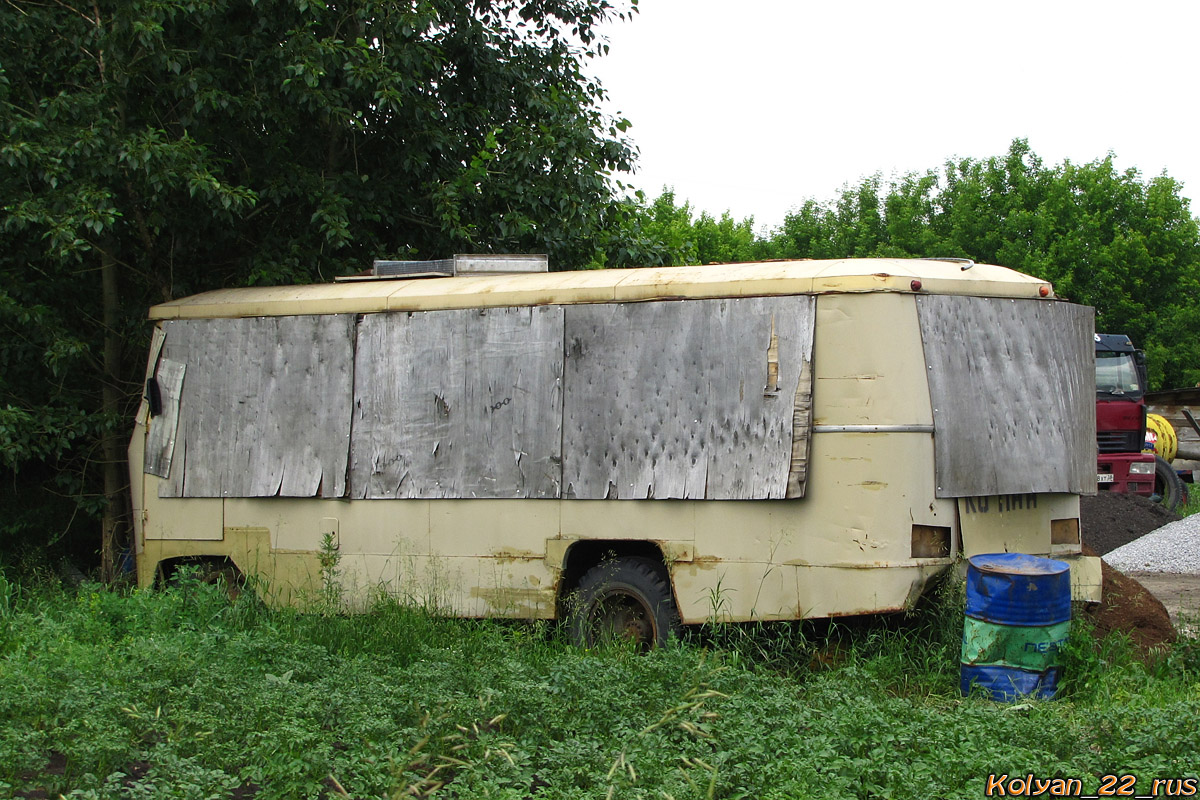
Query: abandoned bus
629	450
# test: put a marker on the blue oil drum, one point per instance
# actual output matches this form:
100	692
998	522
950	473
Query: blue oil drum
1017	619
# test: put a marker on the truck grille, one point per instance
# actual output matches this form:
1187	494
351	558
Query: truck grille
1118	442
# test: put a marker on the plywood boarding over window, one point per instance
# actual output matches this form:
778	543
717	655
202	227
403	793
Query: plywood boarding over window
688	399
458	404
1013	389
704	399
265	406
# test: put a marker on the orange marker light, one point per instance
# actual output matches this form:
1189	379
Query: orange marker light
1044	291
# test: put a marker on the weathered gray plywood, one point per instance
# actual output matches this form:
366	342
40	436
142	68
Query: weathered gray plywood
160	441
801	432
458	403
265	408
694	399
156	342
1013	390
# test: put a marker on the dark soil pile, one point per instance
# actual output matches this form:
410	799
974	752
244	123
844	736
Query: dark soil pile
1127	606
1108	521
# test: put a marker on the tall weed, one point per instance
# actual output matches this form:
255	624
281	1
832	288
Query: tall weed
183	693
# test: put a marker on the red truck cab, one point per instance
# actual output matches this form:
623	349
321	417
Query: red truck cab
1121	417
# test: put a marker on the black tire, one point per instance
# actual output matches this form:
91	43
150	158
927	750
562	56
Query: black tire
626	598
1168	488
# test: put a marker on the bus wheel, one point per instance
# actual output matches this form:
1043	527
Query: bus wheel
219	572
1168	488
625	599
227	578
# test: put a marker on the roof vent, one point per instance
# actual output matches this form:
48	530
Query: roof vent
964	263
488	264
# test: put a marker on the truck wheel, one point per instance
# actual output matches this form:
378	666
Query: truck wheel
623	599
1168	488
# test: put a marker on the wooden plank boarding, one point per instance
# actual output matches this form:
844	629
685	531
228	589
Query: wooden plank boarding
458	403
685	399
514	392
407	405
667	399
265	409
998	368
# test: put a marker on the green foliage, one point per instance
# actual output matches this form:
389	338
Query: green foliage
1192	506
157	148
181	693
673	236
1109	239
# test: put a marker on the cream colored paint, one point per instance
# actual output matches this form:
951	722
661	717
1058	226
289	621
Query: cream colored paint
732	591
600	286
136	454
831	591
198	518
844	548
998	525
868	362
1086	577
364	526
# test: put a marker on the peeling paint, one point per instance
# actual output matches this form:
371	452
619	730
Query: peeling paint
512	554
517	603
864	565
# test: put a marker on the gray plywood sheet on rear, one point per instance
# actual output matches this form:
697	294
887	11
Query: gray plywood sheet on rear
1013	390
458	403
692	399
265	408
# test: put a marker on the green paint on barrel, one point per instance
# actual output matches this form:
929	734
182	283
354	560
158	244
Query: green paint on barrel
1030	648
1017	619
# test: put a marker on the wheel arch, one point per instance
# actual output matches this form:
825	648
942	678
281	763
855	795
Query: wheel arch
587	553
166	569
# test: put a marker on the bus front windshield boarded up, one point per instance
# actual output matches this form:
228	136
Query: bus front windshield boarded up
617	448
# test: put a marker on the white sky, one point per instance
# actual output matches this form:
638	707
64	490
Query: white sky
755	106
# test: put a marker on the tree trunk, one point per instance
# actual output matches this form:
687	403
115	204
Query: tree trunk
115	519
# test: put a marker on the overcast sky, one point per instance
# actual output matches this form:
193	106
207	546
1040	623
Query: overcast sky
757	105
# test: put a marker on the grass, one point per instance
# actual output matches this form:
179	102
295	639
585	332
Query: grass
183	694
1192	505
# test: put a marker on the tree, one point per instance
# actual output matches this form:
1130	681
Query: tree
1104	237
154	148
672	236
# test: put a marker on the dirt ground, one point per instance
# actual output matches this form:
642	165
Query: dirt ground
1147	606
1180	594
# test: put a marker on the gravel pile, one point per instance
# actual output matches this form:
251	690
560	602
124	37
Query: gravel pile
1174	547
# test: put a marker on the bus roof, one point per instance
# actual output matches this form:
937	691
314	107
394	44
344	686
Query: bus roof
610	285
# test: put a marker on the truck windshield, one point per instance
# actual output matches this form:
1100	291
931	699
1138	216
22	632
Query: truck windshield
1117	374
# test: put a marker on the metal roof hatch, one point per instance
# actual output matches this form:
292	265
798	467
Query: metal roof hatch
462	264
